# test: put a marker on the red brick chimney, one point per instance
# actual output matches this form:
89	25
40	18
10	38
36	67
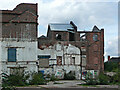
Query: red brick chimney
108	58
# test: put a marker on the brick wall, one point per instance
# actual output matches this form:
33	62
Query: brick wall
20	22
94	49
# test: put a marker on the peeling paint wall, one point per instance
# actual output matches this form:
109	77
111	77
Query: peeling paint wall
26	55
18	40
66	53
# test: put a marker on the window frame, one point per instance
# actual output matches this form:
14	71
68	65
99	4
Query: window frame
12	54
95	37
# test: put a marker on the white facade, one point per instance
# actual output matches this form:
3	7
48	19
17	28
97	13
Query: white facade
70	59
26	55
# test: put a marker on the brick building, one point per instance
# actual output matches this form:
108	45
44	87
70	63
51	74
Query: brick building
63	50
18	38
88	45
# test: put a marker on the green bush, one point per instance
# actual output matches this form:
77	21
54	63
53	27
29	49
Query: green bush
113	67
16	79
53	78
103	79
116	78
69	76
90	80
110	66
38	79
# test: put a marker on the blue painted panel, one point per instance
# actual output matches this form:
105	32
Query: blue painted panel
11	54
42	71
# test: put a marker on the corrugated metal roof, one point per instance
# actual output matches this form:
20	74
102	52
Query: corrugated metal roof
61	27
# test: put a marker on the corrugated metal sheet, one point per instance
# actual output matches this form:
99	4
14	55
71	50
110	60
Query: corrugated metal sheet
61	27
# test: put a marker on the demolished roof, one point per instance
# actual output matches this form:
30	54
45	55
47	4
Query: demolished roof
61	27
18	13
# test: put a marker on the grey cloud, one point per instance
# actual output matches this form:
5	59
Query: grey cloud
83	14
112	47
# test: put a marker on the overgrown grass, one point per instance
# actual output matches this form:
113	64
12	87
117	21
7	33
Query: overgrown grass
103	79
18	79
69	76
38	79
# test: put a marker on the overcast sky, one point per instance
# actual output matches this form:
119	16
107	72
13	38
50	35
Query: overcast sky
84	13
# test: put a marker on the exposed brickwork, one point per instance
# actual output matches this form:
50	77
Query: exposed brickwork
94	49
21	21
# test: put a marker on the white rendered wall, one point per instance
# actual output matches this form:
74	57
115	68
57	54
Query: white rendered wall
26	54
66	52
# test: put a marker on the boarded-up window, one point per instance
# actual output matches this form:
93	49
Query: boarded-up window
11	54
43	61
59	60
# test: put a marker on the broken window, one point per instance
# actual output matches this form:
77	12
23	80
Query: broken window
83	49
71	36
95	37
73	61
82	36
11	54
59	60
58	37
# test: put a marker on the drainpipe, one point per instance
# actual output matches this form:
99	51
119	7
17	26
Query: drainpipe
81	63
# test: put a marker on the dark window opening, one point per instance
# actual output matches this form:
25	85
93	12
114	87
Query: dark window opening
58	36
11	54
43	56
73	61
71	36
95	64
